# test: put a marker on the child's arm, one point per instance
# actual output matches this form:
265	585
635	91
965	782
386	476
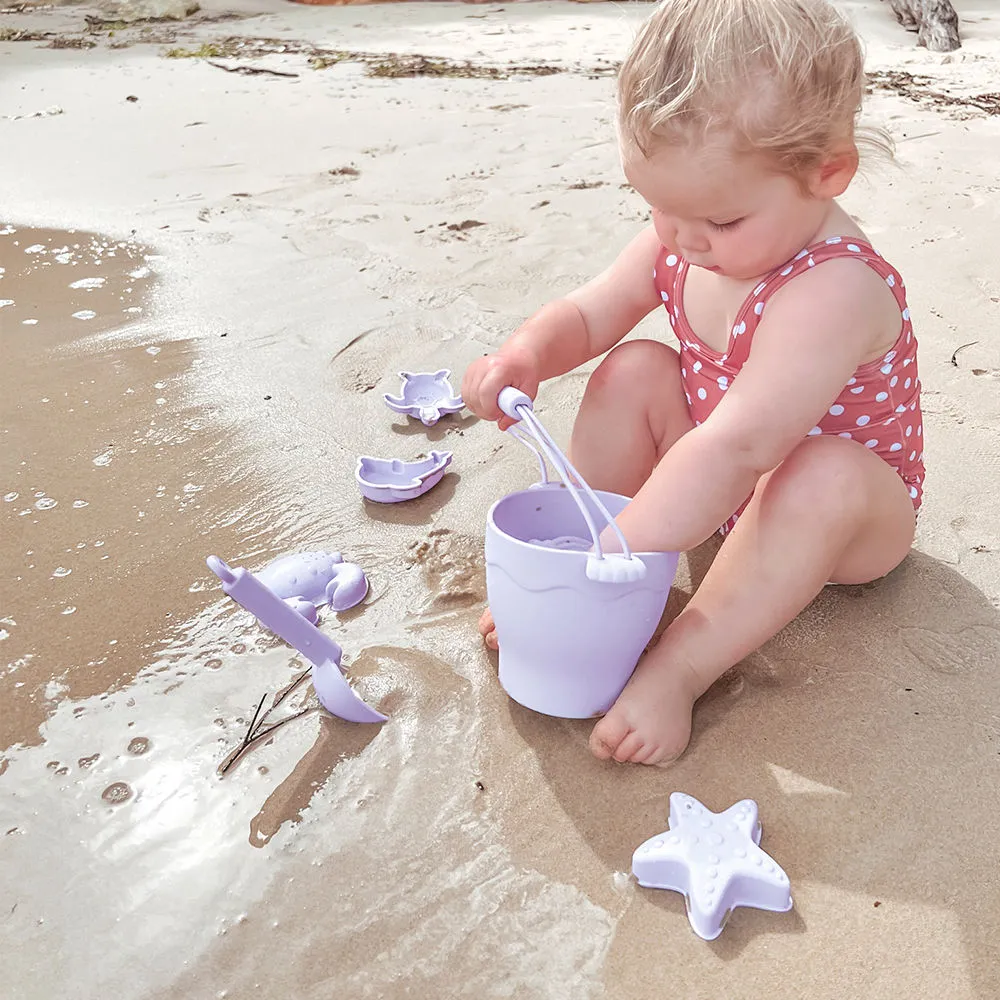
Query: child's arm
570	331
814	334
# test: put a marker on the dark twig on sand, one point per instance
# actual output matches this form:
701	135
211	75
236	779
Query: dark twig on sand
253	721
913	138
244	748
256	731
250	70
954	356
288	690
264	733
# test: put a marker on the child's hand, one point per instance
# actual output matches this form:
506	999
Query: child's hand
568	332
486	377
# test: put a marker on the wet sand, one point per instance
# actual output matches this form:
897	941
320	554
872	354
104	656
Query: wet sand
293	242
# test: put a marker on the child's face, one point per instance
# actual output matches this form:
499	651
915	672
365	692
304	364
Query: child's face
729	214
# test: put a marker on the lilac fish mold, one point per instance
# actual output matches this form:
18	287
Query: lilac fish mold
428	396
307	581
332	688
391	480
715	860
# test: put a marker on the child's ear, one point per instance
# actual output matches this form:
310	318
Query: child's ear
832	177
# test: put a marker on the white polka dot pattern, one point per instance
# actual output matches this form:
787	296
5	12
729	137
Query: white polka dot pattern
874	397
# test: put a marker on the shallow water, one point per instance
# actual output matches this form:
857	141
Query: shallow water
75	416
126	687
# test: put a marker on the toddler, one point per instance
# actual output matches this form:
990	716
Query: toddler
789	414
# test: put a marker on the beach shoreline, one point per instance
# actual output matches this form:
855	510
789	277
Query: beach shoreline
396	188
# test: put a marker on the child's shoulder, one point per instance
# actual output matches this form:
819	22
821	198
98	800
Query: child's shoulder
837	280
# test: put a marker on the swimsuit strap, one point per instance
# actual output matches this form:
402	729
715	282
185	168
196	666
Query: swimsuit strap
834	248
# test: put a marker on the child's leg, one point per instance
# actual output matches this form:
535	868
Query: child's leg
632	413
833	511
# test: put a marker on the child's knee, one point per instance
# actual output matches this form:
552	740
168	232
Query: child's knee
822	476
633	364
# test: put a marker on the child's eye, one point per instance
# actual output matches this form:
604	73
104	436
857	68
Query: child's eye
723	226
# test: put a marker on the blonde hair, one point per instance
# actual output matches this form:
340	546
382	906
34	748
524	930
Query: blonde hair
780	77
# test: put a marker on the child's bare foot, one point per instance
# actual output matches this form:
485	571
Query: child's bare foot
488	630
651	720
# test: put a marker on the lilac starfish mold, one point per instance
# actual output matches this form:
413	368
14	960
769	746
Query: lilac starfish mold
391	480
715	861
425	395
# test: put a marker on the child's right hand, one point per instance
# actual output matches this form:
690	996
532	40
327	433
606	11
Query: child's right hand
485	378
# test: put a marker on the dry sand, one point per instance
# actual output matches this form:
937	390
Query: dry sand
217	403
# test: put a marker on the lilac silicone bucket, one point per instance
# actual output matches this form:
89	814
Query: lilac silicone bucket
568	643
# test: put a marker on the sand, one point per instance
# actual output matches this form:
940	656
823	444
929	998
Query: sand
305	238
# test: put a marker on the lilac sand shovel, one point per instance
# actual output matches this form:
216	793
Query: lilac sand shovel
334	692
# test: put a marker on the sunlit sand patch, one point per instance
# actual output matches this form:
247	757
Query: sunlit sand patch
798	784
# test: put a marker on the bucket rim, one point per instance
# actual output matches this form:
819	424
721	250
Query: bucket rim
568	553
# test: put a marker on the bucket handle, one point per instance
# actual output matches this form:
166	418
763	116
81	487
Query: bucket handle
601	566
529	442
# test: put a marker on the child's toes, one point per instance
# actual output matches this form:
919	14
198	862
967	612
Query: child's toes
486	625
650	753
631	749
608	735
666	752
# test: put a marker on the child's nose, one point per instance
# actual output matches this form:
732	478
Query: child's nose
691	241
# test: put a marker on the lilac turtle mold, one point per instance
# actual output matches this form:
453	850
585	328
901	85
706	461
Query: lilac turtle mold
334	692
571	617
714	859
425	395
308	580
391	480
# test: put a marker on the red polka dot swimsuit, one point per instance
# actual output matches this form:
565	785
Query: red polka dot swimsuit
880	405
